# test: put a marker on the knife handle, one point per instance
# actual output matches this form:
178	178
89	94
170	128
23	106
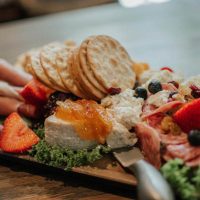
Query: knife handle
151	184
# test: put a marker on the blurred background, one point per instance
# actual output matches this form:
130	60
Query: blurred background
19	9
159	32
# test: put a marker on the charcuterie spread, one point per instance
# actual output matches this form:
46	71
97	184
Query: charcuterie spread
82	101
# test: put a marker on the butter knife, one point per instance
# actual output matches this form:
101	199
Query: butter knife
151	184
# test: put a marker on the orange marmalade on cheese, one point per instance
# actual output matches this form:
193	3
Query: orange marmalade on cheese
90	119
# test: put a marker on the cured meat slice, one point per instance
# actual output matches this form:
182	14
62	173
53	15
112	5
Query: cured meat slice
173	139
194	162
163	109
1	128
177	151
193	152
29	110
155	120
147	108
169	86
7	90
21	78
183	151
8	105
167	156
150	143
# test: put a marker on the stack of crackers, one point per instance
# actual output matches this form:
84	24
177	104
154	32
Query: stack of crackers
89	71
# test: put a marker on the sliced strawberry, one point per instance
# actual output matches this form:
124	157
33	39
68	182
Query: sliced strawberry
16	137
35	93
188	117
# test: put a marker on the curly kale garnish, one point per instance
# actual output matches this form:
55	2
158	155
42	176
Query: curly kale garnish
184	180
39	132
2	120
62	157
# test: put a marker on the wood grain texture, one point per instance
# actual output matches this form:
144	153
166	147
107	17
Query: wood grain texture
106	168
23	182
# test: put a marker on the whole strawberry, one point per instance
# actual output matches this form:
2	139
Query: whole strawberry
188	116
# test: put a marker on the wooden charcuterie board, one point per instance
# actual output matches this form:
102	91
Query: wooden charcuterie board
106	168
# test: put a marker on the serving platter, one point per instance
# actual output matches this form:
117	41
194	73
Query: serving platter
106	168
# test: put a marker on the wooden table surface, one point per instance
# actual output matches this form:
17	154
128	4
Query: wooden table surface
161	34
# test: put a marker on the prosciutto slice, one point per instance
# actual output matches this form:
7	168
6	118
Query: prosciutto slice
12	75
194	162
150	143
7	90
28	110
173	139
163	109
8	105
184	151
167	156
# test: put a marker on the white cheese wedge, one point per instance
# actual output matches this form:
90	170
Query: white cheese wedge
63	133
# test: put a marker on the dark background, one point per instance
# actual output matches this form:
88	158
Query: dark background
19	9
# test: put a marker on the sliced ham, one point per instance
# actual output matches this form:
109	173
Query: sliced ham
155	120
167	156
150	143
7	90
194	162
193	152
28	110
163	109
147	108
8	105
13	75
183	151
179	147
173	139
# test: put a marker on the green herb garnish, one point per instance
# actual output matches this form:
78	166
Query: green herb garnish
2	119
184	180
39	132
62	157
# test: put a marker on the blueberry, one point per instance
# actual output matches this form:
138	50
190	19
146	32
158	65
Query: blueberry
194	137
154	86
141	92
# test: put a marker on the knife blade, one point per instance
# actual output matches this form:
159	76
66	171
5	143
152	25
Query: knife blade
151	184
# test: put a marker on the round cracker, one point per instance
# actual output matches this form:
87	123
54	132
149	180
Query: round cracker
62	63
38	70
76	76
21	61
68	79
110	63
27	62
84	82
48	61
86	67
